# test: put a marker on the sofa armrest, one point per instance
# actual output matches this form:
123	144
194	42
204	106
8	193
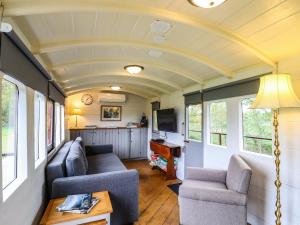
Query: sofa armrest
213	195
203	174
98	149
123	188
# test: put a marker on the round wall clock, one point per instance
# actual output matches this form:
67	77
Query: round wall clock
87	99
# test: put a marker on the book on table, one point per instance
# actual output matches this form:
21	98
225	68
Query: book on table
81	204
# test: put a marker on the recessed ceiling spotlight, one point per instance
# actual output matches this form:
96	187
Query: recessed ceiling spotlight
155	53
160	27
159	39
206	3
133	69
115	88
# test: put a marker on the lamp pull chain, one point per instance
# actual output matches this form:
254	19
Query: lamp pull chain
277	164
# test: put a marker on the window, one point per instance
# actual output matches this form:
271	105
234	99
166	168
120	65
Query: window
218	123
50	122
194	122
10	95
57	124
155	127
257	128
39	127
62	118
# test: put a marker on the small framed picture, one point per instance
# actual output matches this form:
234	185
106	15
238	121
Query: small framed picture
111	113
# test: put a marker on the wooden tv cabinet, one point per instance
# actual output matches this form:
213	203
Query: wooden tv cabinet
167	151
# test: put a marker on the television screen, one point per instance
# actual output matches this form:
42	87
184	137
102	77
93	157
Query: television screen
166	120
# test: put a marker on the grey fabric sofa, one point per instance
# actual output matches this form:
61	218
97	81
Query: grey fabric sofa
77	169
215	197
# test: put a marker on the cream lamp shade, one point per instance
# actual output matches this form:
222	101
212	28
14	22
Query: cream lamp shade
76	111
276	91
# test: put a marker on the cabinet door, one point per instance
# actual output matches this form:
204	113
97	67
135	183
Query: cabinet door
135	143
74	134
123	143
144	142
111	138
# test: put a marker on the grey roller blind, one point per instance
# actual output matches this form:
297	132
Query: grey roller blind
15	61
155	105
240	88
193	98
56	94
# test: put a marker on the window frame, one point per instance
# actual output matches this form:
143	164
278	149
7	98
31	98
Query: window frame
187	123
241	131
62	123
41	148
22	151
208	139
7	79
51	146
57	124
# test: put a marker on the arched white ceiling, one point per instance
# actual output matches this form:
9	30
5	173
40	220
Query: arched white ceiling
99	75
202	44
127	62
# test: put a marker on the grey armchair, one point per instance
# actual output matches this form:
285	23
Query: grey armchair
215	197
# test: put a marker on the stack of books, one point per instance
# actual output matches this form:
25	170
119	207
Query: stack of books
81	204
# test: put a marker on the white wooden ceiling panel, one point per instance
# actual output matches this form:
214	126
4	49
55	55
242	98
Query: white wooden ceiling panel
235	35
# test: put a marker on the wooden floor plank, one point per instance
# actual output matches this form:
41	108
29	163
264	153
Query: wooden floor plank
158	203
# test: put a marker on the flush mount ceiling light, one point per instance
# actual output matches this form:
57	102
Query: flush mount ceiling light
206	3
159	39
133	69
160	27
115	88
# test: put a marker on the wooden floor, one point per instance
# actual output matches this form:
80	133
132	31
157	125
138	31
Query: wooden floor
158	204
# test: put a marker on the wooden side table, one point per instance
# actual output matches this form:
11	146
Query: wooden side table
99	215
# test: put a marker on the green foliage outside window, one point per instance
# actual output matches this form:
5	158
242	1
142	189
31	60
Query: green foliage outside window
195	122
218	123
257	128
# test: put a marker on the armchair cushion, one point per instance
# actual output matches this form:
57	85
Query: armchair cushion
75	164
195	173
211	192
238	175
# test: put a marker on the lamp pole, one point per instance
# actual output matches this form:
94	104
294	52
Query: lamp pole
277	164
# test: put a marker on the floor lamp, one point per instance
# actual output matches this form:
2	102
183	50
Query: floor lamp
275	92
76	112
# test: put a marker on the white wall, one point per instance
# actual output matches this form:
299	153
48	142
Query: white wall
132	110
22	207
173	100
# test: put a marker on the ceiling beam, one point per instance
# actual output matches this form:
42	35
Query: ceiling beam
93	61
67	44
32	7
69	80
127	90
111	82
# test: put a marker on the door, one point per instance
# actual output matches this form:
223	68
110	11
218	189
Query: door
135	143
193	136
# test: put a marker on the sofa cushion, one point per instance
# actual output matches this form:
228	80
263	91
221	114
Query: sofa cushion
81	146
102	163
75	164
238	175
56	167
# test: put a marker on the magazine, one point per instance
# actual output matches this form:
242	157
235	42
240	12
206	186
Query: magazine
80	204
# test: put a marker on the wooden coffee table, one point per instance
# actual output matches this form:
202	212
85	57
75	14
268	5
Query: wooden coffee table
99	215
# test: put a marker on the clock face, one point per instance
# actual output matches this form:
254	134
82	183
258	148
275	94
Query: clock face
87	99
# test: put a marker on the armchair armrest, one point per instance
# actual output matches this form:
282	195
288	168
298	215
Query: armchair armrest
203	174
98	149
213	195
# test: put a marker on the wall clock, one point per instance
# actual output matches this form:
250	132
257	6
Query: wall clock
87	99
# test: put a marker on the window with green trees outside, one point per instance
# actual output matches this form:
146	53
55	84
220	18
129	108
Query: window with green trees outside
257	128
218	123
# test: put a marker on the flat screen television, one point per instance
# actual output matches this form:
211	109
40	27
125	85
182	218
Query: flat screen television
166	120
